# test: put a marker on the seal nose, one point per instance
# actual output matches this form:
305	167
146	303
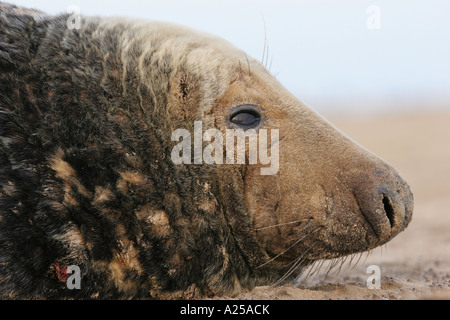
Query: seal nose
386	202
389	210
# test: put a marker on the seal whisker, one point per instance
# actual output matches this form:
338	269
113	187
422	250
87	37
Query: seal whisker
248	63
367	255
317	267
332	266
271	61
295	266
351	260
329	267
312	268
359	258
290	247
343	259
265	40
282	224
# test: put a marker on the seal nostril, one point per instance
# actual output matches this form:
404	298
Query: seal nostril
388	209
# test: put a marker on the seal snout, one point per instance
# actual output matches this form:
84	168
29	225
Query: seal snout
386	203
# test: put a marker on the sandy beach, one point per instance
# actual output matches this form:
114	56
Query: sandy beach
416	264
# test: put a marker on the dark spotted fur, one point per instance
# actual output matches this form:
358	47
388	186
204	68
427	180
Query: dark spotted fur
81	161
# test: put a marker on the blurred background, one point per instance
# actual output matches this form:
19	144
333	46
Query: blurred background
379	70
358	55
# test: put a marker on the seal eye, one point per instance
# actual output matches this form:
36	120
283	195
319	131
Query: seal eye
246	118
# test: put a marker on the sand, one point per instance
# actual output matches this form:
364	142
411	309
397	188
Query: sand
415	264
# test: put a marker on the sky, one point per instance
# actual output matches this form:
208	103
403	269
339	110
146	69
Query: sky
333	55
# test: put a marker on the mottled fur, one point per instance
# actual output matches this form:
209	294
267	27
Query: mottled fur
85	171
86	175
